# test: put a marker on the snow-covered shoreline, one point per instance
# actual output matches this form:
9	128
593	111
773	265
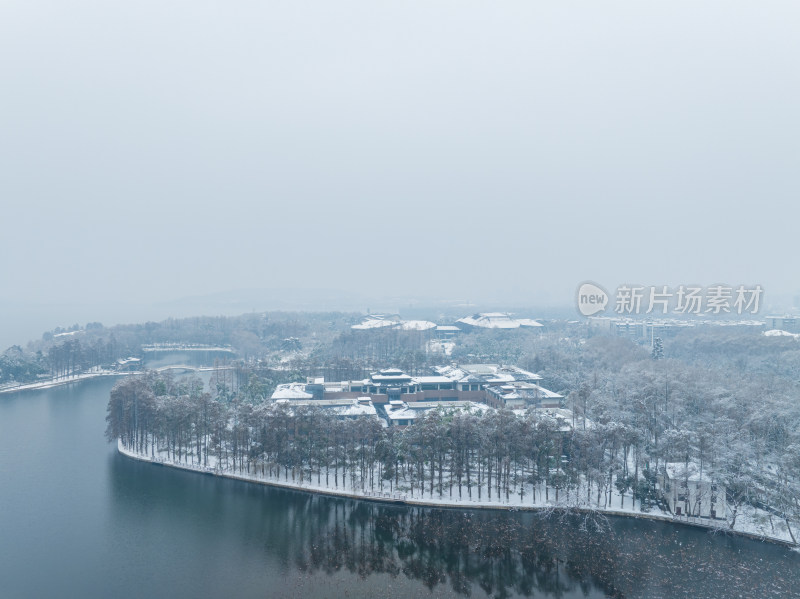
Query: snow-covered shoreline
96	373
745	527
64	380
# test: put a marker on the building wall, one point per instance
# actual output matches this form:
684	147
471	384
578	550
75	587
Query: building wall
433	395
541	402
789	323
694	498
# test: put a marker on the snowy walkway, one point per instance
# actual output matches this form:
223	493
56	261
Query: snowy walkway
95	373
58	381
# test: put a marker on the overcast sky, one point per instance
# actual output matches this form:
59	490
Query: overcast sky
492	151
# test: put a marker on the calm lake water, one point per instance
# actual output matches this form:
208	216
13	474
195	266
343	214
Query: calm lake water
79	520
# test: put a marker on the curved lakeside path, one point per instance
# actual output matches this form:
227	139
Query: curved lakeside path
455	503
61	380
98	372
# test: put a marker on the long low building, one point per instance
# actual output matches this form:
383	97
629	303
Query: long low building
497	320
481	320
400	413
522	395
339	408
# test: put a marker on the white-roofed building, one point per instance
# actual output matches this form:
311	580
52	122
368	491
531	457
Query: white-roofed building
291	391
400	413
783	323
128	364
344	409
374	322
486	374
378	321
416	325
492	384
522	394
497	320
688	492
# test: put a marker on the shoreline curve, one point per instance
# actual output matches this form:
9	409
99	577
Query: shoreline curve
405	501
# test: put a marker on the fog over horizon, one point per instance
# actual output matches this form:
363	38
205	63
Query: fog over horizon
175	158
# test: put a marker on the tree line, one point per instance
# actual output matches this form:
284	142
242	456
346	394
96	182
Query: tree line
625	426
488	457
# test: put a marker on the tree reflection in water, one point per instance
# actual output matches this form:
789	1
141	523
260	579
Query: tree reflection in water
534	554
451	551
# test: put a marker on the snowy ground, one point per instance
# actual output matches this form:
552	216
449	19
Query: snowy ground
55	382
750	521
94	373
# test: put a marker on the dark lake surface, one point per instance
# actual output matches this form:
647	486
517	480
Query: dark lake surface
79	520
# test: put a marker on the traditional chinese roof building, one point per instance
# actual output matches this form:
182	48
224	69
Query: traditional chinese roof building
488	384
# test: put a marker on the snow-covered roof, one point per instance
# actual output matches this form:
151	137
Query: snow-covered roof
130	360
486	373
523	390
481	374
378	322
342	408
562	418
416	325
497	320
69	333
432	380
452	372
413	410
390	378
291	391
678	471
497	373
780	333
391	371
373	323
490	321
529	322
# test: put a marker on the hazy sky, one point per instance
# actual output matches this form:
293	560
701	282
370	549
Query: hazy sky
487	150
